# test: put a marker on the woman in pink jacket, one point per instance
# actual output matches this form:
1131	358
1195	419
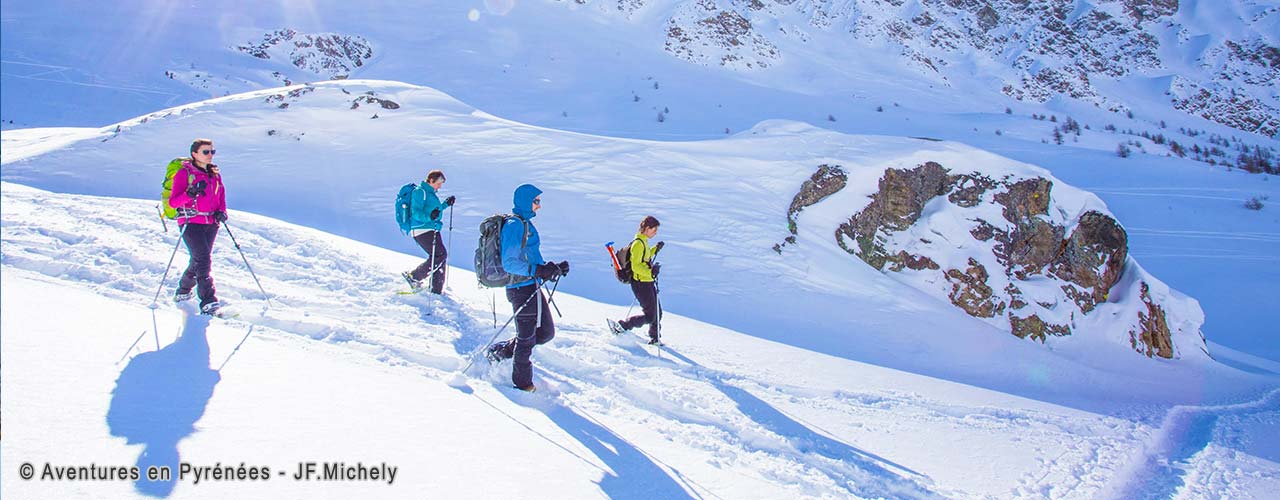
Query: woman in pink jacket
201	202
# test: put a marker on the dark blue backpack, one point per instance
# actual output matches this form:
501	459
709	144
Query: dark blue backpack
489	270
404	207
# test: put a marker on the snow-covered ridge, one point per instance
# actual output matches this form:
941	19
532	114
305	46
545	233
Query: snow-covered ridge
1034	51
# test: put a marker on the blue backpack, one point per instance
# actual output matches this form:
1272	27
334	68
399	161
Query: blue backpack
404	207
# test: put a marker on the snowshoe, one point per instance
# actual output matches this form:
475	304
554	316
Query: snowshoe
183	297
211	309
528	388
415	286
615	327
497	352
657	342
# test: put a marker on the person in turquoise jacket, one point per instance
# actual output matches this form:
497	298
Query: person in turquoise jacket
425	216
522	256
644	277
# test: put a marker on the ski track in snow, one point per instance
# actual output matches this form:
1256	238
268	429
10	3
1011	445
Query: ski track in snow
608	387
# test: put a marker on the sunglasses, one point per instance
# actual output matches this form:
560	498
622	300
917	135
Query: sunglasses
537	201
208	151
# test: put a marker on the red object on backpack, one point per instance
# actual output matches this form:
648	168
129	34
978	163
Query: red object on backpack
614	257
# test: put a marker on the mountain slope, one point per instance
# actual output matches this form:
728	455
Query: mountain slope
337	355
323	162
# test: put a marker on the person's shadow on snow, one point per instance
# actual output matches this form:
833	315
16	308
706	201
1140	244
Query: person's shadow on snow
861	472
158	398
634	473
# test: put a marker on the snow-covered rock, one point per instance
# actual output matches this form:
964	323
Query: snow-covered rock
1022	251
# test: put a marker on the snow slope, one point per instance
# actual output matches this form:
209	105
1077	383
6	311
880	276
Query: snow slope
341	369
323	164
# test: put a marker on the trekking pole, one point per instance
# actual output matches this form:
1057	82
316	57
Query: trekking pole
450	244
160	212
551	298
486	345
156	299
246	263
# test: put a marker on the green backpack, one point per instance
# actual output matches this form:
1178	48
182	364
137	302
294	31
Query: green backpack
174	166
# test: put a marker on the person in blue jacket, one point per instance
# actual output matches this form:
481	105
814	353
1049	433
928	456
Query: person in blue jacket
426	214
522	256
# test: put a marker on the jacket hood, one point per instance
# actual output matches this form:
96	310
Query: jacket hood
522	200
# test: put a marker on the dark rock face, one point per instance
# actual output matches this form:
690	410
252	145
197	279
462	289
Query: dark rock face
826	181
969	291
1152	336
969	189
1093	258
895	207
1035	328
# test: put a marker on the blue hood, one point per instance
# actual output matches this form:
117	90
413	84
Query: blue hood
523	200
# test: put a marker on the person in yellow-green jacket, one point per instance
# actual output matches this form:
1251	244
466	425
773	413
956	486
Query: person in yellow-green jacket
644	277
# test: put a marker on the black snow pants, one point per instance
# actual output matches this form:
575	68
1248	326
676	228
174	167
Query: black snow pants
646	293
432	243
199	239
533	327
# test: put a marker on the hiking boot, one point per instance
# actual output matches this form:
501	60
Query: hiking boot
414	285
181	296
527	388
656	342
211	308
615	327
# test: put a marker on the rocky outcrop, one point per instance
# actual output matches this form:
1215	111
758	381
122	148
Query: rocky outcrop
823	183
330	55
1152	336
1027	263
369	98
895	207
1092	259
703	33
969	291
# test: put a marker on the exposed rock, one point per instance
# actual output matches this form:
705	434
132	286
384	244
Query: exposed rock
969	188
902	260
983	231
1093	258
1025	199
1152	335
385	103
828	180
895	207
1035	328
1029	248
969	291
1015	297
331	55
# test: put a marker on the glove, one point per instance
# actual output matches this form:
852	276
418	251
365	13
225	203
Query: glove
655	267
196	189
449	201
658	248
435	214
564	267
549	271
220	216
